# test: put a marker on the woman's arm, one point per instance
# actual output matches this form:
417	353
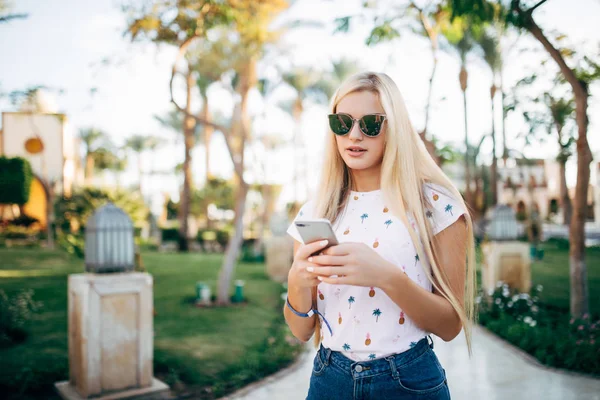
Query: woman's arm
430	311
302	300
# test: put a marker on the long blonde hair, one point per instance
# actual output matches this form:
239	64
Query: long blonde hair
405	168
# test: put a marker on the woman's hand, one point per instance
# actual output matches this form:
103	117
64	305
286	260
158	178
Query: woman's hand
298	275
353	263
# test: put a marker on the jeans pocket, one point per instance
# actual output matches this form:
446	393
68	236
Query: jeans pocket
318	364
423	375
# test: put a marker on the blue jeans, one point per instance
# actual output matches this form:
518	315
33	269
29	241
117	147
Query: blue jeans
413	374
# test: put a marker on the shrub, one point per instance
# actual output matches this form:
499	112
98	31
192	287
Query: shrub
545	333
14	312
24	220
170	234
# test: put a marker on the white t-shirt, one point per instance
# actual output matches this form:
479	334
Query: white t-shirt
366	323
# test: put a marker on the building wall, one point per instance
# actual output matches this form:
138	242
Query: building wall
18	127
37	204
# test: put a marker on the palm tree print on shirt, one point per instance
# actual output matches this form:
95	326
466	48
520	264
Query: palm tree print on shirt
350	301
362	217
346	346
372	356
413	344
388	223
416	259
429	214
376	314
449	209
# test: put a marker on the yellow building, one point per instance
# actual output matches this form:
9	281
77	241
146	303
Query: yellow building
46	141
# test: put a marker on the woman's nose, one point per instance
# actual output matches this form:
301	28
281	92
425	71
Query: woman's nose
355	132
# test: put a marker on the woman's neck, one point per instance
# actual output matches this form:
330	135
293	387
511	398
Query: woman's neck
366	180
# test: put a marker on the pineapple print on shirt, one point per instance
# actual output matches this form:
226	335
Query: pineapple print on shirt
369	324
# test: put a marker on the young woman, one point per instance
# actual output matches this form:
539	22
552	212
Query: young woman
404	268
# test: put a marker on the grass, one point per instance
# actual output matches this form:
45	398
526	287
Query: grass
206	353
553	274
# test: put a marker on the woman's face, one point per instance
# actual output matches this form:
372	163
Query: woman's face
358	104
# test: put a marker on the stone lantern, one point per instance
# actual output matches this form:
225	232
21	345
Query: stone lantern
109	243
110	317
504	257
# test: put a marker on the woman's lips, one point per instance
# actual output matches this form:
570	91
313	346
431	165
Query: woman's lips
353	153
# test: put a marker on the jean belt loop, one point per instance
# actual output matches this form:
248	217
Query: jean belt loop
392	361
327	356
430	338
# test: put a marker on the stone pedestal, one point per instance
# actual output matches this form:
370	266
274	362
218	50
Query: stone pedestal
508	262
279	255
110	337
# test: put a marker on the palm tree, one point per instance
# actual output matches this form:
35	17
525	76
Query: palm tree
362	217
138	144
319	87
5	16
460	35
432	23
346	346
92	139
448	208
350	301
490	44
376	314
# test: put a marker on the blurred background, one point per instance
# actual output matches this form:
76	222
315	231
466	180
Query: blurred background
205	122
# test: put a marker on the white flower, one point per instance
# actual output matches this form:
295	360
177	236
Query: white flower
490	292
533	323
510	303
497	301
515	298
478	299
528	319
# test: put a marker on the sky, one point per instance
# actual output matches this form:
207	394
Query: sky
64	45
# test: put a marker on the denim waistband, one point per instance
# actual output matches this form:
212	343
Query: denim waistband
377	366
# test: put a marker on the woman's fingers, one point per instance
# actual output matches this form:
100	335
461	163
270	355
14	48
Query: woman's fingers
328	260
327	271
306	250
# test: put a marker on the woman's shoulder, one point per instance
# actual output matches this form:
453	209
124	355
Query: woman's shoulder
443	207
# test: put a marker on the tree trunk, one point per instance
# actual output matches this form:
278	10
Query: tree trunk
565	200
240	133
233	246
139	160
297	115
463	83
208	131
184	201
504	149
578	270
579	303
494	168
432	34
89	168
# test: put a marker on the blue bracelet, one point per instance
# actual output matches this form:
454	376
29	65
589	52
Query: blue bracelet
309	314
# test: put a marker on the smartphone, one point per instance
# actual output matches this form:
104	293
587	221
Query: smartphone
316	229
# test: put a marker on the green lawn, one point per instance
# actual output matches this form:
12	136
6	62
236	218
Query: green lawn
553	274
206	352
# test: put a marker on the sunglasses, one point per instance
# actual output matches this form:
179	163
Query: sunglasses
369	124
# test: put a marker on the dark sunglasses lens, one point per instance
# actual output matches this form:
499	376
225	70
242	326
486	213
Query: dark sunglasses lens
371	124
340	124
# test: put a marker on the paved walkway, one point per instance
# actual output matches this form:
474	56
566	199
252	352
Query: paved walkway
496	371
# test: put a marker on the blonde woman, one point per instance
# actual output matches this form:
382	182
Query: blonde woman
404	268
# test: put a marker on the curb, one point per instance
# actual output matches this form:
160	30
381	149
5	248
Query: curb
307	353
531	359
